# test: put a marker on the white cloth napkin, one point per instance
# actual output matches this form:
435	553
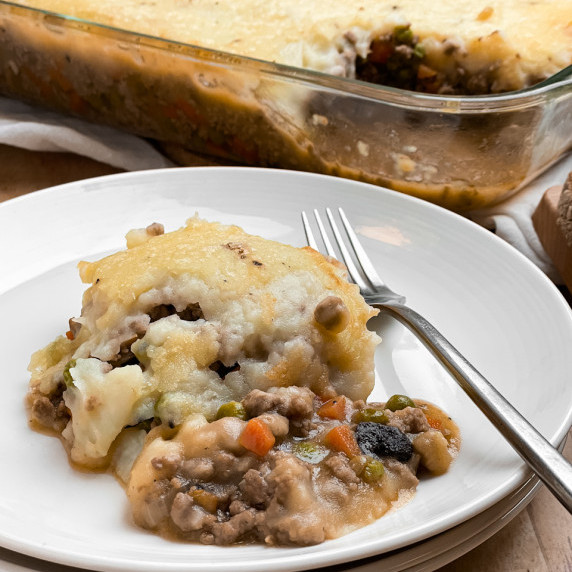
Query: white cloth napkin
512	219
28	127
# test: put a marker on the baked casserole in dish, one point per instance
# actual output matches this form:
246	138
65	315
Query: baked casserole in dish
459	104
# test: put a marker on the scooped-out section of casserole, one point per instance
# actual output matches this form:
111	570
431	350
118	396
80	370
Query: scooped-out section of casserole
223	378
474	47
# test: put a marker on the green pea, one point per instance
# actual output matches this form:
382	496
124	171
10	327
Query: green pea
419	51
373	471
403	34
309	451
68	379
370	414
405	74
231	409
396	402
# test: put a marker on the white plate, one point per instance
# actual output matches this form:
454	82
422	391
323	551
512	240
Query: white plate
491	302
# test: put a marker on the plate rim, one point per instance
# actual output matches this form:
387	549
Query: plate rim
94	182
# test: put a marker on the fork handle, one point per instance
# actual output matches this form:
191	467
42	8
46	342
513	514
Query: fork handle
552	468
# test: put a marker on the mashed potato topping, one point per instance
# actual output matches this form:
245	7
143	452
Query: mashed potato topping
183	322
501	44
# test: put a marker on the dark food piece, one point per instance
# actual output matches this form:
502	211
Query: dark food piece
395	60
223	370
191	313
379	440
125	355
75	327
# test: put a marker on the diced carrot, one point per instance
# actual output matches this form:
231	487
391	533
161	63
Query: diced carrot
334	408
428	80
342	438
69	335
205	499
77	103
380	51
170	111
434	423
257	437
425	72
212	148
60	79
245	150
190	111
183	109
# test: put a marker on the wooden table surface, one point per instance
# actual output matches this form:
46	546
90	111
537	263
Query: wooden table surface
539	539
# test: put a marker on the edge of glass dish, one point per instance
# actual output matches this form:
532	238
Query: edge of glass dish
454	104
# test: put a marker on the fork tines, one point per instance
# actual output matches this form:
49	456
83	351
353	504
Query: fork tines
362	258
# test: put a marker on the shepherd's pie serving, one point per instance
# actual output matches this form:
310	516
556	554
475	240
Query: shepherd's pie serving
223	378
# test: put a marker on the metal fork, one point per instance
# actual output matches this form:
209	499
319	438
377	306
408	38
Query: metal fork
552	468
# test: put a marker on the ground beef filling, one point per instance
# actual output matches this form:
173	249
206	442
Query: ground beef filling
49	411
399	60
286	468
191	313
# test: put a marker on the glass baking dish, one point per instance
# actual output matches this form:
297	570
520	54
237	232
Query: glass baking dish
459	152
